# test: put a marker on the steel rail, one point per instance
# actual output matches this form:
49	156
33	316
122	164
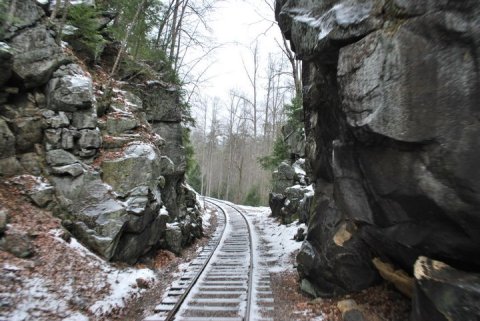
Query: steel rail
250	273
171	315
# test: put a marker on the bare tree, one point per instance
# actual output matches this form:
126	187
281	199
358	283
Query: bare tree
295	64
253	79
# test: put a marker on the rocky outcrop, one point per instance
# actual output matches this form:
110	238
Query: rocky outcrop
114	176
290	196
390	102
290	193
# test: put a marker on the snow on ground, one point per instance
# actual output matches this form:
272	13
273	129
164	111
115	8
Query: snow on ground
123	286
40	296
37	296
121	282
207	215
279	237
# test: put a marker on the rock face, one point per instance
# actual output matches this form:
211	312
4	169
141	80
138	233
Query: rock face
117	182
391	103
36	56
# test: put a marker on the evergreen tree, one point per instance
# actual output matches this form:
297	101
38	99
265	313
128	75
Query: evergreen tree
253	197
294	113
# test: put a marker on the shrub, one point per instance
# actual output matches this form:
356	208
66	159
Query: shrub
253	197
84	18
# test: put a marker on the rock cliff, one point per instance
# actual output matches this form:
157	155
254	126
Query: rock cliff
114	172
391	91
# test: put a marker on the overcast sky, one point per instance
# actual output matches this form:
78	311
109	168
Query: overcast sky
237	25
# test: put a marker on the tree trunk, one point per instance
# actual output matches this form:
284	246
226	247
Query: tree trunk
55	10
174	30
163	23
179	35
125	39
58	39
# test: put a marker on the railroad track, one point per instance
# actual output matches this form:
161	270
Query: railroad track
222	283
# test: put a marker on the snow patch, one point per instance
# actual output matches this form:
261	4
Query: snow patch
4	47
123	285
141	150
122	282
79	81
82	250
11	267
347	15
279	237
207	215
36	296
77	316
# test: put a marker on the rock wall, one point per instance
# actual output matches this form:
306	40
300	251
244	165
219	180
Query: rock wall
290	185
115	175
391	91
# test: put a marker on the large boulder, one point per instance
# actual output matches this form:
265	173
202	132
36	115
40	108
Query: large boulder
334	257
173	238
70	90
59	157
390	98
89	139
276	202
283	177
26	14
145	236
118	123
139	165
85	119
36	56
295	194
97	218
28	132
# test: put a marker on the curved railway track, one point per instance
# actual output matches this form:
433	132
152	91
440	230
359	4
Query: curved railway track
221	284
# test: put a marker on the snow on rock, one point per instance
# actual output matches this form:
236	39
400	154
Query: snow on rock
141	150
298	169
343	14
